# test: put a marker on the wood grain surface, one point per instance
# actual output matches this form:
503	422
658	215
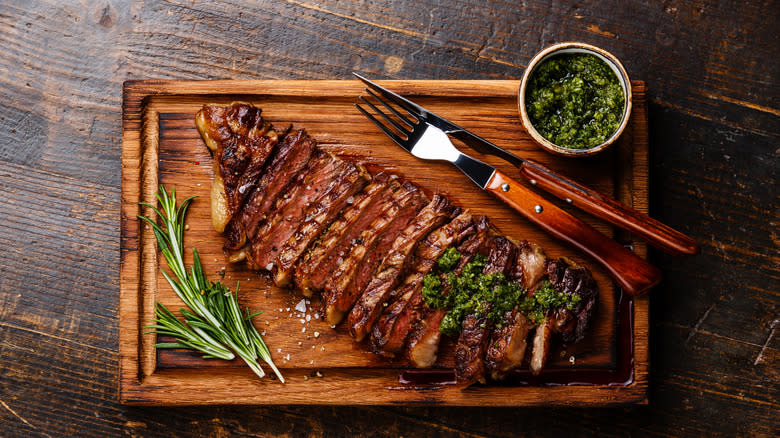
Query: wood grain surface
710	68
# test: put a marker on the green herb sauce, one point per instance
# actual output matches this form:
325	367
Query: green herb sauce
575	100
471	292
546	298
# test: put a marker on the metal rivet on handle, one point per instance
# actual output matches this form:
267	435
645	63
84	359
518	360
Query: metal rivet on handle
505	187
538	208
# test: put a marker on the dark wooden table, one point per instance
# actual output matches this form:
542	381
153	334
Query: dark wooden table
710	67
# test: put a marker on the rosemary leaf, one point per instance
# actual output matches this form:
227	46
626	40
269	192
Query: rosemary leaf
214	324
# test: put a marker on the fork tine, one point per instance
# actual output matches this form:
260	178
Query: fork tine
393	110
384	128
395	124
395	98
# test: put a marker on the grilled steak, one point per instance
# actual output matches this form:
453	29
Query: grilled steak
343	287
291	157
423	343
573	280
390	331
290	209
240	141
322	223
475	335
381	286
509	341
334	245
318	215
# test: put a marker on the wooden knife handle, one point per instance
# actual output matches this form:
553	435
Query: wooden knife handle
633	274
641	225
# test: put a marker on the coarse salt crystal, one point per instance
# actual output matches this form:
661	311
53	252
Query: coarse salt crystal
350	200
308	317
301	306
288	309
278	350
303	330
316	335
303	321
316	316
287	357
269	266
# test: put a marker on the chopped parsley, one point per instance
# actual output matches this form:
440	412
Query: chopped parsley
575	100
546	298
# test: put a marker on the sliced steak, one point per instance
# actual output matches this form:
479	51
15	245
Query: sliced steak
423	342
391	329
240	141
342	288
380	288
475	334
509	341
334	245
290	159
572	279
290	209
567	277
319	214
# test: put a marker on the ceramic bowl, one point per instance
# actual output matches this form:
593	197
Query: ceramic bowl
575	47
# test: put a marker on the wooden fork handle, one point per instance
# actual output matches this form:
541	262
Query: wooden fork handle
641	225
633	274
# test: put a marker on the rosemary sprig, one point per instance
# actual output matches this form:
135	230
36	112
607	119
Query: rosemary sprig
214	324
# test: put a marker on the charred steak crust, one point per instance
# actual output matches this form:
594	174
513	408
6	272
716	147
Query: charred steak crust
291	157
508	344
423	342
290	208
334	244
318	215
381	286
389	334
475	335
572	279
353	275
241	141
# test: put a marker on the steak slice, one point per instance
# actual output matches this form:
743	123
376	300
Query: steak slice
290	209
570	278
475	334
334	245
381	286
350	279
509	342
391	329
291	158
318	215
240	142
423	343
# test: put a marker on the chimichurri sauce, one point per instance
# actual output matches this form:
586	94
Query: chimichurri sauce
485	295
575	100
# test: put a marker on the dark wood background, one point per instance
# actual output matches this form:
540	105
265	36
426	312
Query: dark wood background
710	67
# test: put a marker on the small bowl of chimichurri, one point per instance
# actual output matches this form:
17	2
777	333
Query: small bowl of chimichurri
575	99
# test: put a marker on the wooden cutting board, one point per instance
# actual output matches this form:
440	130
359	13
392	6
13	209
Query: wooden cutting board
160	145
